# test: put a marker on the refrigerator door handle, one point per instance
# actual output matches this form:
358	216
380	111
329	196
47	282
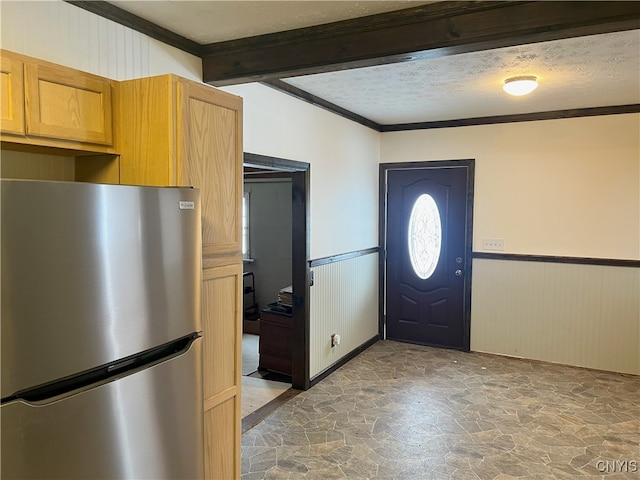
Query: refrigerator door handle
110	432
119	365
83	381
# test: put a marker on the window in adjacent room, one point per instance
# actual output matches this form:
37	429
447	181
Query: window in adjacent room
246	244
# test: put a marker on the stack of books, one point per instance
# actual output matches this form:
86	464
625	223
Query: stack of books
285	296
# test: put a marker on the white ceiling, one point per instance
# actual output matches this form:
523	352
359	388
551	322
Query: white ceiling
582	72
594	71
206	21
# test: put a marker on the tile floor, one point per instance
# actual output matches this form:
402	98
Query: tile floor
401	411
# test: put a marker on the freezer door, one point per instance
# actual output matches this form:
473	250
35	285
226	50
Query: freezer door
93	273
147	425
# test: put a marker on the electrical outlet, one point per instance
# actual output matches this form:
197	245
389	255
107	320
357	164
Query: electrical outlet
496	244
335	340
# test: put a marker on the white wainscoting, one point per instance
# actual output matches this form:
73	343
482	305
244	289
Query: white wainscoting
62	33
344	300
582	315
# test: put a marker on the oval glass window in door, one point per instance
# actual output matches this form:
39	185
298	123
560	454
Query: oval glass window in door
424	236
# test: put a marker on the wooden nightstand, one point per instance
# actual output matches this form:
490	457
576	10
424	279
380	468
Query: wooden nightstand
275	340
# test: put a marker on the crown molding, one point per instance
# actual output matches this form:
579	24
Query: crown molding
515	118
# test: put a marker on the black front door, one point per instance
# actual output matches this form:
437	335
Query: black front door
428	237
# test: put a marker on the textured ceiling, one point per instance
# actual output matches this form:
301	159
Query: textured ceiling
582	72
216	21
592	71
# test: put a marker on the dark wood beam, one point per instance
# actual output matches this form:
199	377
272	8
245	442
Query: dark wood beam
428	31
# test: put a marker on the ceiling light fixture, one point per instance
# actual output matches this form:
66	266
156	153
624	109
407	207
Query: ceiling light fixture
520	85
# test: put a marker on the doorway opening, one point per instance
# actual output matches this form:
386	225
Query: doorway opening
426	231
278	310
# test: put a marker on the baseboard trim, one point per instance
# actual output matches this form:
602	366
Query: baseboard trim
557	364
349	356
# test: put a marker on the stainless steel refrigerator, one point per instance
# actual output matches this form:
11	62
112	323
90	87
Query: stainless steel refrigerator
101	348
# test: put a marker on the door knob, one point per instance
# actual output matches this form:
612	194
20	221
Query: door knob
458	273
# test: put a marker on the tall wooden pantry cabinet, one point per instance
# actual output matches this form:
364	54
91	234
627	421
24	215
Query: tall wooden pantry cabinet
177	132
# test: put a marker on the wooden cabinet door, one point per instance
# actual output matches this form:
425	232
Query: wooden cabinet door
12	95
222	370
67	104
210	158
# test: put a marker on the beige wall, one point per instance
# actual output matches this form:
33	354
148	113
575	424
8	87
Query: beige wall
343	209
559	187
344	164
562	188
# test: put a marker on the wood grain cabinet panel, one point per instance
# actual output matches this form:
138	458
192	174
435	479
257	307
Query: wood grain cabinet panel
11	96
178	132
147	131
63	104
48	106
219	456
209	125
220	291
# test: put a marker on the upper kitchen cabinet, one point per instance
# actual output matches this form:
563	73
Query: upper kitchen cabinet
12	95
210	123
48	105
63	104
178	132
